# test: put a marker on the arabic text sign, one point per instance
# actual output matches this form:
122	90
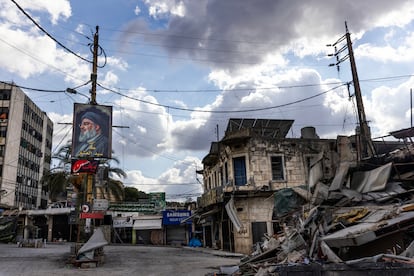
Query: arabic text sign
122	222
84	166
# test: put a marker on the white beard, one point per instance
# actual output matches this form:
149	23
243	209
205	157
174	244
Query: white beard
87	135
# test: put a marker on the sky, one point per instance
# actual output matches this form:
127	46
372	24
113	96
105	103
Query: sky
175	72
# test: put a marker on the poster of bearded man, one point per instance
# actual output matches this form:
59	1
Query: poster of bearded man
92	131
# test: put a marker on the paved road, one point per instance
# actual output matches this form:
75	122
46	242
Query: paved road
119	260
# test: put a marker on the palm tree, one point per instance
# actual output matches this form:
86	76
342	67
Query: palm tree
63	156
55	184
114	188
57	180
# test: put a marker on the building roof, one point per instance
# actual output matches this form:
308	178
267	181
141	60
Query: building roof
403	133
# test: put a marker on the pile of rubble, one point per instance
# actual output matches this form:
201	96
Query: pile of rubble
362	219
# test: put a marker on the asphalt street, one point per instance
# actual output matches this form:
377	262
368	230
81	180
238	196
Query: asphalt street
118	260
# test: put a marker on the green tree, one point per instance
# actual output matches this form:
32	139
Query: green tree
132	194
59	178
55	184
115	187
56	180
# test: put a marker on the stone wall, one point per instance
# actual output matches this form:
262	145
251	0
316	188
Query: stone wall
251	210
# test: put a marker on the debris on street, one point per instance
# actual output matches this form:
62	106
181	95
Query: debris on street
91	253
362	219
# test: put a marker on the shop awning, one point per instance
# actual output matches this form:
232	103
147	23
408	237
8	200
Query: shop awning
147	224
209	213
195	215
49	211
200	215
13	212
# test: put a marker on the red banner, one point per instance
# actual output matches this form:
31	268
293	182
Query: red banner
97	215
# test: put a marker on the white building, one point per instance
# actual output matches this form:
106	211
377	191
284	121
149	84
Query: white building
25	149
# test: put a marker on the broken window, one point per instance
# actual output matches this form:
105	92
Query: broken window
278	170
259	229
239	164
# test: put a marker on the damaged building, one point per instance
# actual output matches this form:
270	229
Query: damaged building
299	200
243	170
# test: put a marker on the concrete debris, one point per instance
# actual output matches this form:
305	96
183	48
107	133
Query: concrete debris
90	254
363	219
228	270
97	240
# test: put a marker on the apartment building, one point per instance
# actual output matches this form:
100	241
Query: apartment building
25	149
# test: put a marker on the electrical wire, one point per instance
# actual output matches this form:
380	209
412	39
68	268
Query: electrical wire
198	39
220	111
49	35
34	89
43	90
269	88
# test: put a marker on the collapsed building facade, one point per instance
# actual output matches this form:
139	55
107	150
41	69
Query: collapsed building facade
243	170
301	199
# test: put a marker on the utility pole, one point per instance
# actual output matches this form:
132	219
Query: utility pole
94	77
94	74
366	145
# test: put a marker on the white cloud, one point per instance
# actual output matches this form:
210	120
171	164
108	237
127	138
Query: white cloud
178	182
9	14
57	9
388	108
403	53
38	55
161	8
117	63
397	17
80	28
148	124
110	79
137	10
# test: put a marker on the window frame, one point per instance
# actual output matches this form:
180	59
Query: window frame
239	180
282	169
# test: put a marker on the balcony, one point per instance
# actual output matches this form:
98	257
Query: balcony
211	197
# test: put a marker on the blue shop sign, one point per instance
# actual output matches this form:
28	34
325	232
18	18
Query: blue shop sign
174	217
